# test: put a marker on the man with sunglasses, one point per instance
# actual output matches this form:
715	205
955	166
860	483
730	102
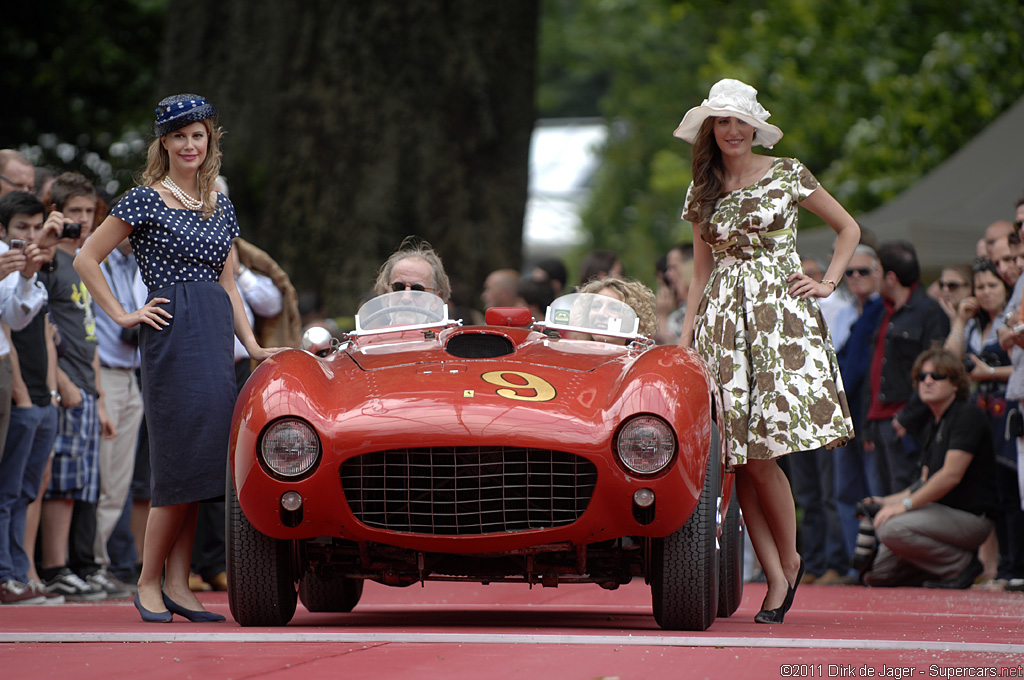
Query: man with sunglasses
929	533
414	266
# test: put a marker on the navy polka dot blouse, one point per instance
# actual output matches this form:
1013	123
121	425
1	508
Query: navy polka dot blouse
173	245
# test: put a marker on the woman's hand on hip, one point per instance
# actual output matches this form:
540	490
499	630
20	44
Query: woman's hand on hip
151	314
804	287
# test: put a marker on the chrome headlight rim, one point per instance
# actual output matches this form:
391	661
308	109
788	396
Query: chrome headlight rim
275	462
626	451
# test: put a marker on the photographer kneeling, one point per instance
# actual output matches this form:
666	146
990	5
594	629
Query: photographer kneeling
929	533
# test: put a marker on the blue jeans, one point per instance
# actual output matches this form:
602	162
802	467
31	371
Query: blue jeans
856	477
30	438
899	460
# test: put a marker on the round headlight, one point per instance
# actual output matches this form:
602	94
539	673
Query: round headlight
645	444
290	447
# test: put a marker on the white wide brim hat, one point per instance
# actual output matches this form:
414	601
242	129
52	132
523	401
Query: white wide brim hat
730	97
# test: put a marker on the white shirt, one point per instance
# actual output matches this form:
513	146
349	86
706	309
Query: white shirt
840	314
20	301
259	296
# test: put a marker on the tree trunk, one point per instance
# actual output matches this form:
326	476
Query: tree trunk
353	124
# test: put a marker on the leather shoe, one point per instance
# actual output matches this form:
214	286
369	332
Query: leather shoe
770	616
220	581
778	615
195	616
963	580
152	617
196	583
791	593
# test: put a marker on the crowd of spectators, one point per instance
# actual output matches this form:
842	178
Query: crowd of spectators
73	461
884	321
74	474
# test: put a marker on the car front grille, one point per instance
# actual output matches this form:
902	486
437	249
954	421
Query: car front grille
458	491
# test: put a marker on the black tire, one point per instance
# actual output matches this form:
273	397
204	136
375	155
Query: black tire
330	595
730	561
684	565
261	583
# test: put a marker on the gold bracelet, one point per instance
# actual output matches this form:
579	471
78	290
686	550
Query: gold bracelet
828	281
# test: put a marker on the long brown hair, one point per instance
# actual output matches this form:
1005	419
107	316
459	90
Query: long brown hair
158	164
708	175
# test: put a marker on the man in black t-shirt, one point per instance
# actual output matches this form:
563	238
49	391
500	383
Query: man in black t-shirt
930	532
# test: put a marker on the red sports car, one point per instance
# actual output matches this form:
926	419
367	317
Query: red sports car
416	448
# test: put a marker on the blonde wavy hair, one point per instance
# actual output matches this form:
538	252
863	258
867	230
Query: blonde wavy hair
639	297
158	164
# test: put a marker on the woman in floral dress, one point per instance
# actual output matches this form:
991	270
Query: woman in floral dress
752	316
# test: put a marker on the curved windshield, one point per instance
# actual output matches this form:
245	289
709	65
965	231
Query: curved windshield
596	315
405	309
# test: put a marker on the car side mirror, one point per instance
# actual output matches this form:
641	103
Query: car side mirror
318	340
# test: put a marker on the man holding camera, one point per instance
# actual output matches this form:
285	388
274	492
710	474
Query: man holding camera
68	529
929	533
25	445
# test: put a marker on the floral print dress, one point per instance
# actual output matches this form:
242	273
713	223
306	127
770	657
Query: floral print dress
781	387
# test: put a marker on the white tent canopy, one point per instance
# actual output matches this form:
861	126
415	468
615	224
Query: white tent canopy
564	154
946	211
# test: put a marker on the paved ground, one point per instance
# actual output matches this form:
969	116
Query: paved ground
456	631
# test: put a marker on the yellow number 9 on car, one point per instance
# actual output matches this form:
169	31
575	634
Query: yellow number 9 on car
532	389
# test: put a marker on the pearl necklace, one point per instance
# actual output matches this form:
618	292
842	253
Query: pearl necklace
183	198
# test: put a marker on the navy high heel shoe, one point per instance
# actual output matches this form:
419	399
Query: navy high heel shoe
190	614
778	615
152	617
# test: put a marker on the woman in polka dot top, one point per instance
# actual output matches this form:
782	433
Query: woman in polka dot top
181	232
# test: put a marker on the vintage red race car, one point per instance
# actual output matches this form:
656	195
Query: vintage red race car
418	449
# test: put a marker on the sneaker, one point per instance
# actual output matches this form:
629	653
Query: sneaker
51	598
105	581
15	592
1015	585
74	589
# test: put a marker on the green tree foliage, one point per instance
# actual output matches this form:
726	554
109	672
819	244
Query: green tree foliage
73	76
871	94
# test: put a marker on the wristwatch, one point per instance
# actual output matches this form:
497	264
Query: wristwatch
908	503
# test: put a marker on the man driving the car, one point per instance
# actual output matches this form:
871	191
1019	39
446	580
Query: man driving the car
416	267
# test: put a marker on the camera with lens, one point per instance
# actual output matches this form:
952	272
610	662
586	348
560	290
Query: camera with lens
71	231
867	508
130	336
867	543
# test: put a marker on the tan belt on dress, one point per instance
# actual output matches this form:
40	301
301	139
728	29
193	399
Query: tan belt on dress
718	247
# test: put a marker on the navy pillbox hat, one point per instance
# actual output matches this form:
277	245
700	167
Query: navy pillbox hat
177	111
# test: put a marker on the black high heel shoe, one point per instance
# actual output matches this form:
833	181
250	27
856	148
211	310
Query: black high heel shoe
778	614
152	617
195	616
